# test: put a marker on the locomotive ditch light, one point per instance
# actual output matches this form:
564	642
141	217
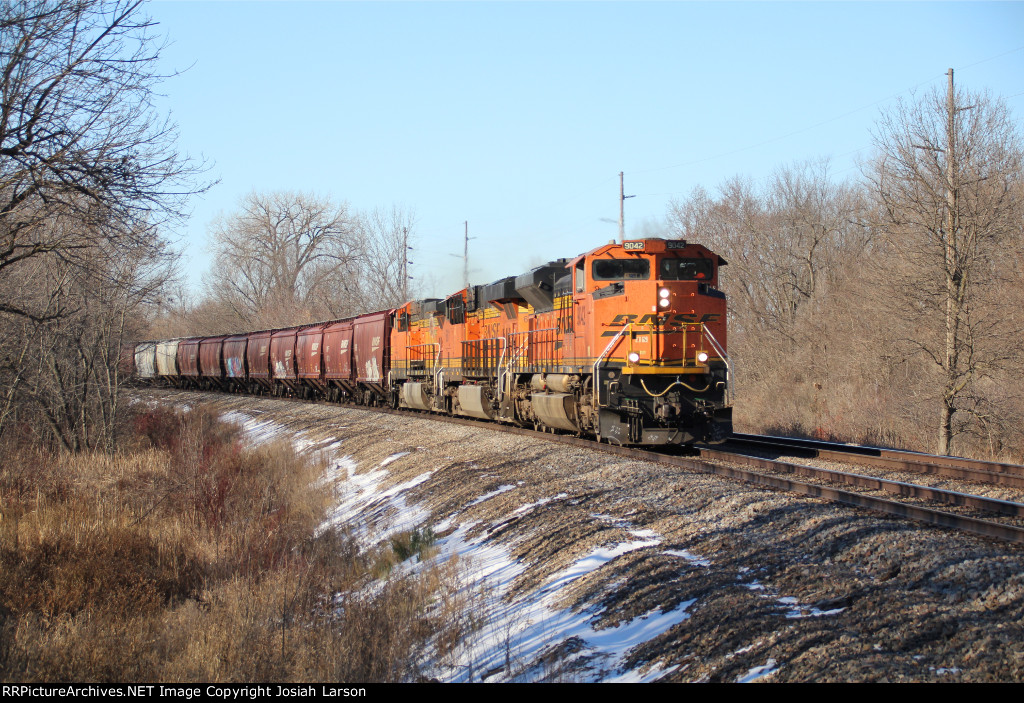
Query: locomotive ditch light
702	357
633	357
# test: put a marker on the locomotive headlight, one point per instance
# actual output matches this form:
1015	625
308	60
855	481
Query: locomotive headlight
663	293
633	357
663	302
702	357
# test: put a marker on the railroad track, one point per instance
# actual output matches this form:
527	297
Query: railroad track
991	517
957	468
980	515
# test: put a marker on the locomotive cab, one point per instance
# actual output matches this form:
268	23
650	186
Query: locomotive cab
651	323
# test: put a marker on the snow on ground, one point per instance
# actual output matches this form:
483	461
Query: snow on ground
523	509
792	606
393	457
688	555
487	496
759	672
518	634
260	431
374	513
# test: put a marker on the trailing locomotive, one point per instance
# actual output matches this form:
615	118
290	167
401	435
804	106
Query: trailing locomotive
626	343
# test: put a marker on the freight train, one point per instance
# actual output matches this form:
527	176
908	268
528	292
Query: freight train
625	343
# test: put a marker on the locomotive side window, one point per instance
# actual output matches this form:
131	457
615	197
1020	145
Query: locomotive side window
580	276
621	269
686	270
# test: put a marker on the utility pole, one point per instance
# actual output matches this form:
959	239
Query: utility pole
955	283
405	264
953	274
622	208
465	257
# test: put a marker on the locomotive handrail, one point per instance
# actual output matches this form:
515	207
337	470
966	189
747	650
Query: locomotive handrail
516	352
526	346
504	345
408	356
438	372
501	361
728	364
611	344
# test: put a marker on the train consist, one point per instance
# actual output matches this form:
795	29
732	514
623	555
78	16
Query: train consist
626	343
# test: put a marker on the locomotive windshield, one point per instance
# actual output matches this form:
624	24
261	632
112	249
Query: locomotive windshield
686	270
621	269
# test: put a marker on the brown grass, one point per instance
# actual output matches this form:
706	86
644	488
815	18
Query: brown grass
191	558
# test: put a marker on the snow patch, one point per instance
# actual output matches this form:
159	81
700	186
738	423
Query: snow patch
373	513
517	633
596	559
260	431
522	509
393	457
688	555
759	672
487	496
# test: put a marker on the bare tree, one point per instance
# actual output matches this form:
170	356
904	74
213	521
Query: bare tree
62	376
88	172
78	134
388	235
284	258
781	240
947	179
793	244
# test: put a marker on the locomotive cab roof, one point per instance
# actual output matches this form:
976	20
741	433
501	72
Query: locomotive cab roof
654	245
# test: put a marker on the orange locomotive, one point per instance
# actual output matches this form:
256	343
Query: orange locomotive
626	343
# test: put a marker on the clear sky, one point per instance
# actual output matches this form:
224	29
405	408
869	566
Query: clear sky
519	116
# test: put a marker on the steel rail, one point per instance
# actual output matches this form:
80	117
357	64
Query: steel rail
911	490
997	473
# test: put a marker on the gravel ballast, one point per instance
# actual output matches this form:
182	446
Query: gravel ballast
764	585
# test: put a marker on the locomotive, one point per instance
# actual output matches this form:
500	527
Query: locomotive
625	343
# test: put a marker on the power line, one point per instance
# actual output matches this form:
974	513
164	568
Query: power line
826	121
790	134
992	58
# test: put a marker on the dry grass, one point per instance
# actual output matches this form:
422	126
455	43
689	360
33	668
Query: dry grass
191	558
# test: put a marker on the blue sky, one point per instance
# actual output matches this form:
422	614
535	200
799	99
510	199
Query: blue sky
518	117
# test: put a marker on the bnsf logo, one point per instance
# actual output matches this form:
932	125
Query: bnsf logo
663	319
